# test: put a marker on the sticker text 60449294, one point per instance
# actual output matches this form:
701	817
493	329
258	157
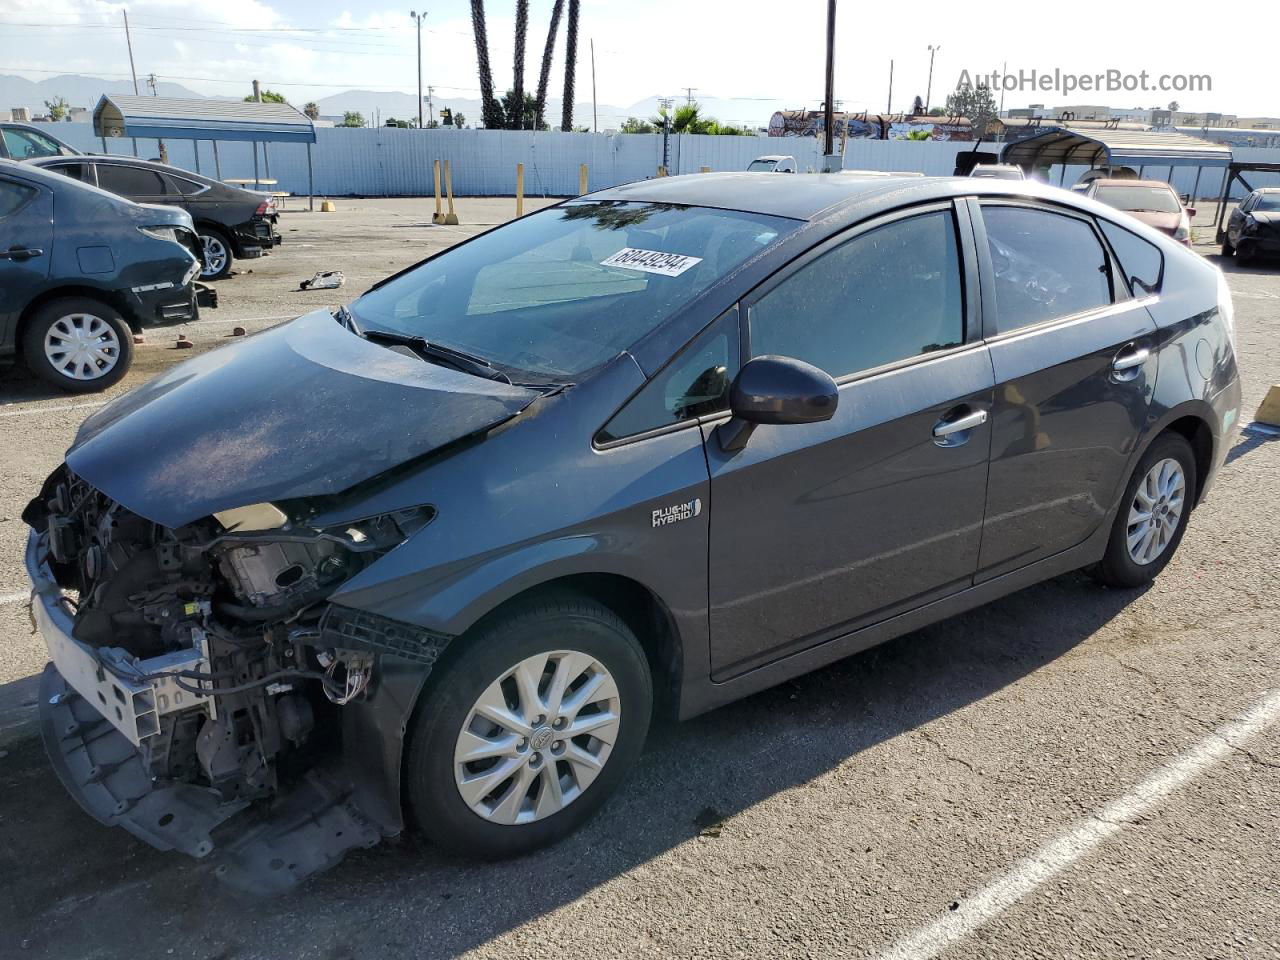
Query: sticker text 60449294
651	261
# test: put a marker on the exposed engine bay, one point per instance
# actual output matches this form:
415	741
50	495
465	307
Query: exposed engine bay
212	650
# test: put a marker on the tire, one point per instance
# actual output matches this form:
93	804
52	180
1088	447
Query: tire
104	340
1227	248
1124	567
218	255
446	723
1246	253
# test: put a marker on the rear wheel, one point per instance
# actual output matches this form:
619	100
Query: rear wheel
1153	515
1227	248
78	344
217	253
524	735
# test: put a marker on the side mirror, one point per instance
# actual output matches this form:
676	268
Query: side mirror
776	390
1191	211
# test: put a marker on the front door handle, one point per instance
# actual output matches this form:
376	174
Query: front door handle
20	253
945	428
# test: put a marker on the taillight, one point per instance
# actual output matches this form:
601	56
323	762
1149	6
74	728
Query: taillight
266	207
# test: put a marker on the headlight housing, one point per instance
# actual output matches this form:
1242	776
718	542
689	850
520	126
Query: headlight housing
1184	229
1250	225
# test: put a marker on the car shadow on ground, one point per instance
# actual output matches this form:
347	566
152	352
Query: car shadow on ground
83	885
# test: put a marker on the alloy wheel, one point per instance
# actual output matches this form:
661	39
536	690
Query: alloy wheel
81	346
1156	511
215	255
537	737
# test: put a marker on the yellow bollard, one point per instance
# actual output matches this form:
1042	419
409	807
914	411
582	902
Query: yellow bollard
328	206
450	218
438	216
582	179
1269	412
706	170
519	189
662	171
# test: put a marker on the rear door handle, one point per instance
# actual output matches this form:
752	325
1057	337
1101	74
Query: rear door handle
945	428
19	253
1128	362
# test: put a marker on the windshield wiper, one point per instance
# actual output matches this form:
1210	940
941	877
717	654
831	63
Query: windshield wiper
476	366
344	317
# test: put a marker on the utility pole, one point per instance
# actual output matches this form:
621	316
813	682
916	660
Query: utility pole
928	91
664	105
1003	70
828	107
431	106
418	19
689	95
151	82
595	117
889	106
128	39
257	92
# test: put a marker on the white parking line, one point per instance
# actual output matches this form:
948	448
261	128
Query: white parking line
1079	841
61	409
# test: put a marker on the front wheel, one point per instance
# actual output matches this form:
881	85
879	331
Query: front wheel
1153	515
1227	248
523	736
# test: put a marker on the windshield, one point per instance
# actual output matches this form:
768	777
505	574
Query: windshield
759	165
566	289
1268	203
1140	199
27	144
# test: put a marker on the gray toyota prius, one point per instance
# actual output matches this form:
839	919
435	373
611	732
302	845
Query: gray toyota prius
435	559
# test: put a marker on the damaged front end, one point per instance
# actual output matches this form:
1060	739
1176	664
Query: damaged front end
205	695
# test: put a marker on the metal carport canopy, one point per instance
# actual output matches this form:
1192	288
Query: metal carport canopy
180	119
1099	146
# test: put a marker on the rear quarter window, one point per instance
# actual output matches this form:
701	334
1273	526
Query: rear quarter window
1140	260
13	197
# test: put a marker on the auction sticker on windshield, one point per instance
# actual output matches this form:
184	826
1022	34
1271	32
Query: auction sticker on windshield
651	261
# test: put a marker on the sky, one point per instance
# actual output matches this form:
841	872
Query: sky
756	53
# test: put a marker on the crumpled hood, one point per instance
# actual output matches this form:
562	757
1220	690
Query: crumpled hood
1267	218
304	409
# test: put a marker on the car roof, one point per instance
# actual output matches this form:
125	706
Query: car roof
800	197
1122	182
124	161
1267	190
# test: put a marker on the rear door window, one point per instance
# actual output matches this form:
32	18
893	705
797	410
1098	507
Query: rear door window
131	181
1046	265
13	197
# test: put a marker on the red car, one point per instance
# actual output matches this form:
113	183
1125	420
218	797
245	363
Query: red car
1151	201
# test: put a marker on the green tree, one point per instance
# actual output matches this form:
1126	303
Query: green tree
312	110
917	107
688	118
57	107
268	96
352	118
937	112
636	125
570	65
510	116
490	109
919	134
460	121
544	75
976	103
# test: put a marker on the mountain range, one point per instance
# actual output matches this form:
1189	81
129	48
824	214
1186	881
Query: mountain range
82	91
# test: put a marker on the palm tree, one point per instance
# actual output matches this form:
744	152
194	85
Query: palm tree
517	87
570	60
490	111
547	53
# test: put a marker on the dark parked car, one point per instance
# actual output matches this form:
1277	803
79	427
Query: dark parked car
21	141
1151	201
81	269
659	447
1253	229
232	223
